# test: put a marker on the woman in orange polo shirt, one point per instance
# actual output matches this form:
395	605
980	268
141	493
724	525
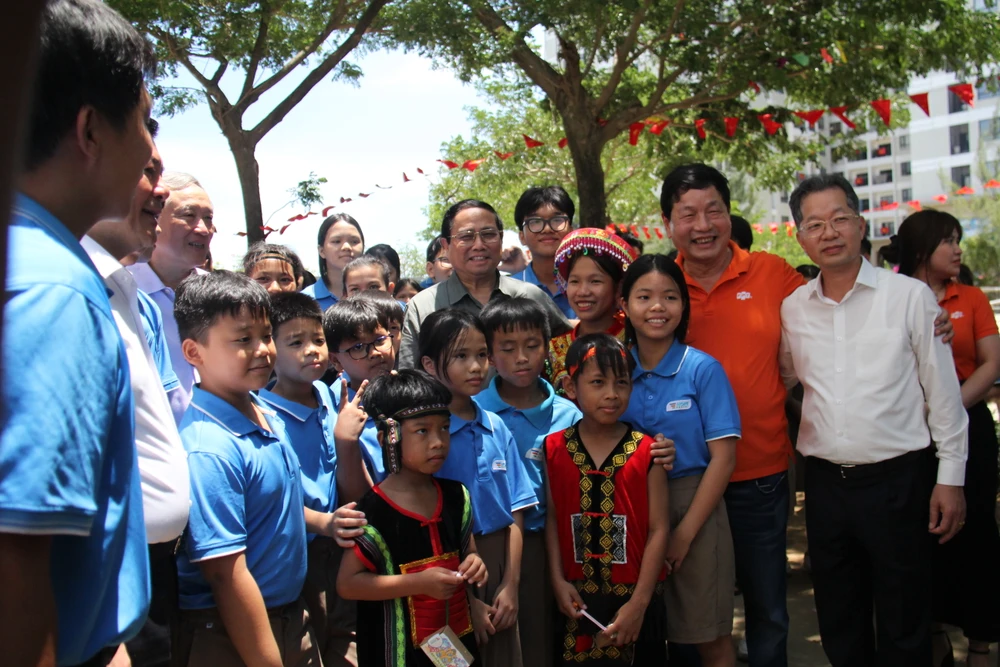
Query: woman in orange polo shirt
966	579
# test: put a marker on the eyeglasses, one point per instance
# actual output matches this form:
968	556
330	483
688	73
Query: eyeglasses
467	238
443	262
815	228
362	350
556	223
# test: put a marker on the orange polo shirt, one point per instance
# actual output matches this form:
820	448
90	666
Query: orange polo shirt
739	323
972	318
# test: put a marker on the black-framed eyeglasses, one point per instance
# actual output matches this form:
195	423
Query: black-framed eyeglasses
442	261
468	237
536	224
362	350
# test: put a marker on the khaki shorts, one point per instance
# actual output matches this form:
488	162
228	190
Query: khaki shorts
699	597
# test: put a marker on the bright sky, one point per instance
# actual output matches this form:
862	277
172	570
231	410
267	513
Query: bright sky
356	137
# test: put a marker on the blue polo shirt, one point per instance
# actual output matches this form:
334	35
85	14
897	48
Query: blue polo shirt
484	457
371	451
68	464
310	432
688	399
152	327
319	291
246	496
529	428
560	298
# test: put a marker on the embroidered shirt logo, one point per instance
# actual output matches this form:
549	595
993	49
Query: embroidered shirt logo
500	465
535	454
957	314
679	405
743	296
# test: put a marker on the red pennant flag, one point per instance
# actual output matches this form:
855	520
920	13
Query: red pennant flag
659	232
940	198
810	116
992	183
658	127
841	113
884	109
965	191
419	170
889	207
241	233
964	92
790	228
296	218
282	230
406	179
826	55
563	142
602	122
344	201
920	99
645	230
450	164
610	229
915	205
502	156
622	228
773	227
383	187
471	165
364	195
326	211
532	143
731	123
634	130
700	126
757	227
756	88
770	125
634	230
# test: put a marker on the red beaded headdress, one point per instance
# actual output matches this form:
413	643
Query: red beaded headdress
591	241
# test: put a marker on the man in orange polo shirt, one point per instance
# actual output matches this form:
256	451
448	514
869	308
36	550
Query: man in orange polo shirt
736	317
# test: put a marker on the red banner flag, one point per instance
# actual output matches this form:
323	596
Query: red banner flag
502	156
757	227
471	165
889	207
448	163
841	113
419	170
645	230
532	143
658	127
406	179
940	198
700	126
965	191
563	142
634	230
915	205
884	109
810	116
920	99
731	123
622	228
992	183
344	200
634	130
790	229
963	91
659	232
826	55
326	211
773	227
770	125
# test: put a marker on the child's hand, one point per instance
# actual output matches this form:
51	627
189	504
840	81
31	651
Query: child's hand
473	570
505	604
348	523
568	598
481	623
625	626
351	417
440	583
663	451
678	546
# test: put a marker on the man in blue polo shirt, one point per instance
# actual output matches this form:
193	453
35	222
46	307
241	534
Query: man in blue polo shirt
73	564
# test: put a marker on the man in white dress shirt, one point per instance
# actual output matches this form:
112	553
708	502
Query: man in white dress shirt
186	229
882	417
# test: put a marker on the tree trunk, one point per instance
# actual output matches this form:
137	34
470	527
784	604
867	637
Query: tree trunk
246	167
593	200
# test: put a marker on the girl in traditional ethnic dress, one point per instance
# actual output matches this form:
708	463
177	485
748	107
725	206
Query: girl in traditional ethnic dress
607	523
589	265
410	568
684	394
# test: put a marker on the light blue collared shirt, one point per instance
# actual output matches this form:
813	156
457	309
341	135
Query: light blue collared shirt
319	291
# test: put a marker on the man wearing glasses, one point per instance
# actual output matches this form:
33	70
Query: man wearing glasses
544	216
472	234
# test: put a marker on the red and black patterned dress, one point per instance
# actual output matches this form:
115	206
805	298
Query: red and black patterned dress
555	364
603	519
397	541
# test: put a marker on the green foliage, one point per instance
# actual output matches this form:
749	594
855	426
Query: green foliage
307	193
412	261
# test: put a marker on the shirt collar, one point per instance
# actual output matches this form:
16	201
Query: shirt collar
457	291
539	416
480	420
739	263
26	207
669	365
105	262
322	291
147	280
228	417
867	276
950	291
296	410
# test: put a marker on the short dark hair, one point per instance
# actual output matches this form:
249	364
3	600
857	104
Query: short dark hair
350	318
633	241
286	306
662	264
807	271
506	313
965	276
866	246
610	355
389	393
390	311
819	183
324	229
367	260
203	298
742	233
919	236
88	56
434	248
441	332
407	282
259	251
694	176
388	255
533	199
458	207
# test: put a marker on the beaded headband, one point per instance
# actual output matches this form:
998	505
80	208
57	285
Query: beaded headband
274	255
392	431
589	354
591	241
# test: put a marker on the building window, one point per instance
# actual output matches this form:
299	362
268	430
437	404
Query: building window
784	218
955	103
992	169
882	150
861	179
883	176
904	168
907	194
859	154
784	197
904	143
961	176
959	139
989	129
836	127
984	93
884	229
865	204
884	200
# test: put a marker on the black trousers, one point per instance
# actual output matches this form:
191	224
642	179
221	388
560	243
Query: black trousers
151	647
871	558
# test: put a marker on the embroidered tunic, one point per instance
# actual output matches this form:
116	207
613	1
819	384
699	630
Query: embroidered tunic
397	541
555	365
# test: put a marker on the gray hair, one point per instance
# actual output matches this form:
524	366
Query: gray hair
820	183
178	180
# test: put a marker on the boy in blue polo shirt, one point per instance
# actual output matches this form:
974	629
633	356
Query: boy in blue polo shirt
241	573
307	411
517	336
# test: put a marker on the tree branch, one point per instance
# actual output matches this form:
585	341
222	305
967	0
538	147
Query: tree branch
598	36
211	86
258	51
622	59
541	73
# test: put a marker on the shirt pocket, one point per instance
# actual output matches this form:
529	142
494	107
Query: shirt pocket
880	355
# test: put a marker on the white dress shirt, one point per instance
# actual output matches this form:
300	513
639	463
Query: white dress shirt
166	493
151	284
878	383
